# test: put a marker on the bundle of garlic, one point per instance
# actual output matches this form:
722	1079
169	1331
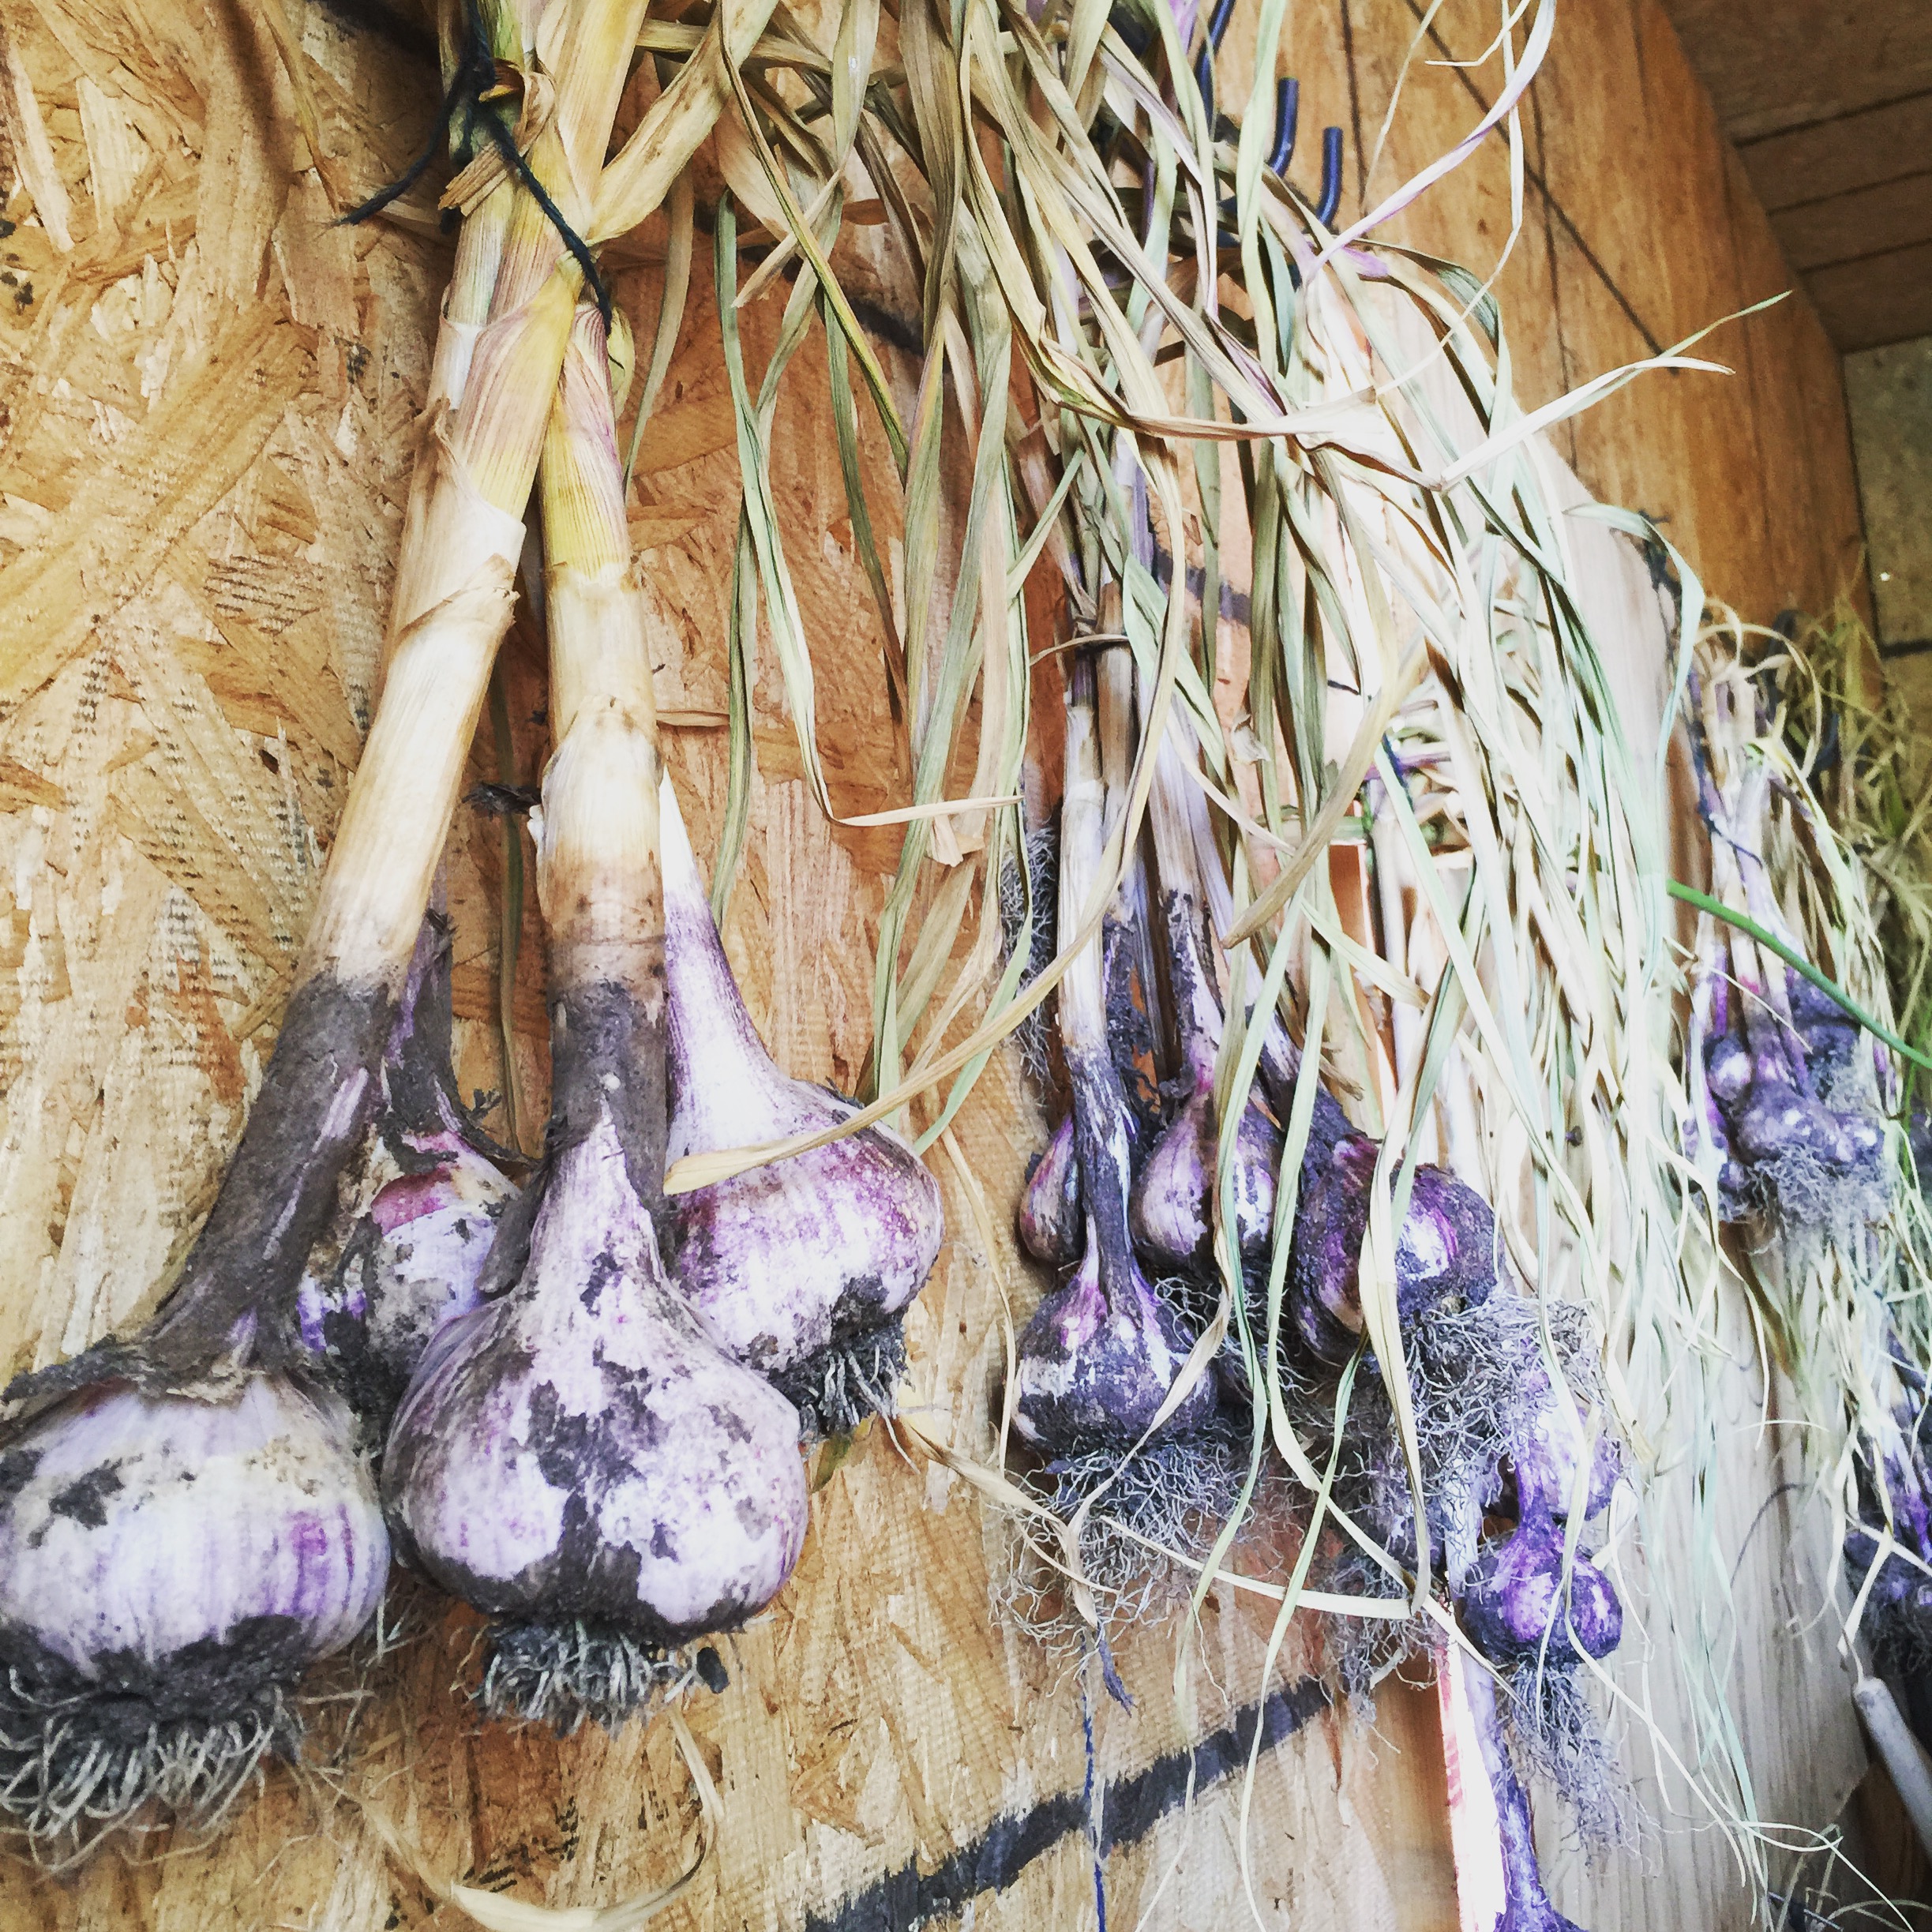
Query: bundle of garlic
1812	939
1784	1085
188	1526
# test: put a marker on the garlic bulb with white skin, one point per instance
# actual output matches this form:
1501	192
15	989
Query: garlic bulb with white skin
804	1266
169	1567
579	1457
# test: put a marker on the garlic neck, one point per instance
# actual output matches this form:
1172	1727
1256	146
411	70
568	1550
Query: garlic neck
724	1083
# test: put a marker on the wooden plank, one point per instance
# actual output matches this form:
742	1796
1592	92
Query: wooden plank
1774	65
1885	298
1856	150
1857	225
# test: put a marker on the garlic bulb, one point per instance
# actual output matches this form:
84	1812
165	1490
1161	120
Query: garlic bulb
1050	1222
415	1223
413	1261
169	1567
1174	1192
1518	1602
581	1457
804	1267
1099	1358
1447	1248
578	1457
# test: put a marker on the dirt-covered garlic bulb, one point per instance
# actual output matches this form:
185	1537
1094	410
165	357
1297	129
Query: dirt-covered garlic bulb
581	1456
407	1247
170	1565
1447	1249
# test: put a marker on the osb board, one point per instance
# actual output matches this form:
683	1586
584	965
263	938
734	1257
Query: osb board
208	393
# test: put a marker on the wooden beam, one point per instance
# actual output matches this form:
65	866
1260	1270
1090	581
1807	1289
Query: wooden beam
1865	305
1775	65
1856	150
1866	223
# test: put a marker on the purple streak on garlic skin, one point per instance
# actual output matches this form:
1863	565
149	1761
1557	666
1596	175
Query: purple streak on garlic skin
797	1255
169	1567
1447	1248
1528	1907
1052	1223
583	1447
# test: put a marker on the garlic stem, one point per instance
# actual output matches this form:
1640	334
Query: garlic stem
579	1456
454	588
598	877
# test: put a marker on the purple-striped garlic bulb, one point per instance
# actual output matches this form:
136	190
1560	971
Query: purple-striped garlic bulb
582	1459
1174	1192
170	1565
1447	1248
1052	1224
1547	1457
1518	1603
805	1267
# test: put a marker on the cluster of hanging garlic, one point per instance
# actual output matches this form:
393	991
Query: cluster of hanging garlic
570	1384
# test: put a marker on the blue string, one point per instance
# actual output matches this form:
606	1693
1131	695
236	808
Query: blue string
1092	1823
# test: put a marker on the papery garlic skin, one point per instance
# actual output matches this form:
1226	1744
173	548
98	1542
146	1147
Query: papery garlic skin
169	1567
800	1256
582	1448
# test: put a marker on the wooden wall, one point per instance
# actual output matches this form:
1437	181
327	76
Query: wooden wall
1639	229
207	393
1830	105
